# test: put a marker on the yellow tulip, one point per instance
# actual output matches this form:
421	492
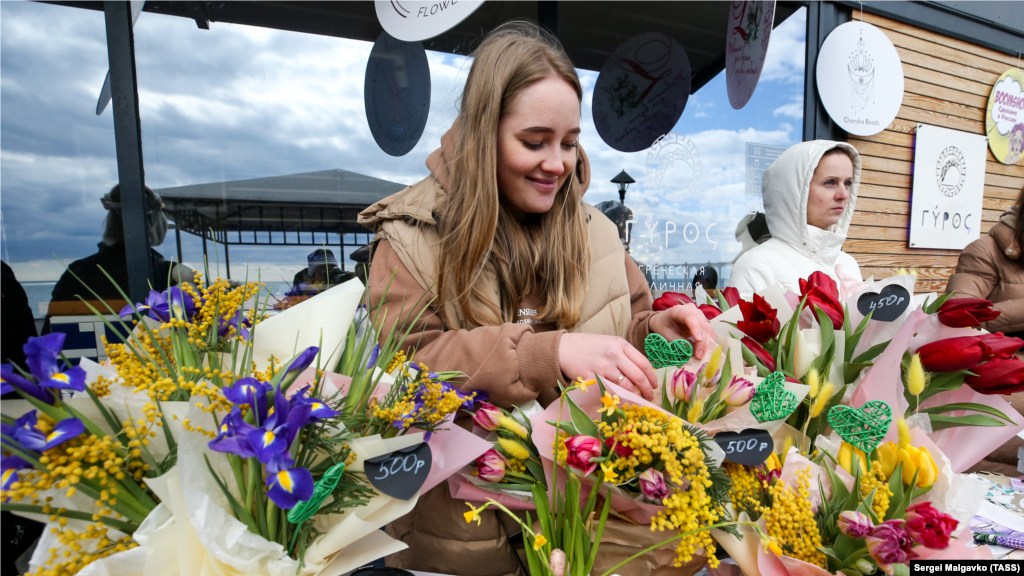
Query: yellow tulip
773	462
888	457
846	455
919	461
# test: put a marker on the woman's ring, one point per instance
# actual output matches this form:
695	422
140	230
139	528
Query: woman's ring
620	378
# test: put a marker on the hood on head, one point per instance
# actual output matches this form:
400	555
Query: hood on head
786	188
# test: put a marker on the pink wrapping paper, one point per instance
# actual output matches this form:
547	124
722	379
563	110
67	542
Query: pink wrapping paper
771	565
957	551
462	489
967	445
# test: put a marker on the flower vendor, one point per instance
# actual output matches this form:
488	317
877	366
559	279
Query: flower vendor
524	284
808	215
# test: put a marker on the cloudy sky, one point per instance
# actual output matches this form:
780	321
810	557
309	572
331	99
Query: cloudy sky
239	102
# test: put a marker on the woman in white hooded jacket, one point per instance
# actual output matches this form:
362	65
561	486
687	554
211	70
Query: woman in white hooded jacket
809	193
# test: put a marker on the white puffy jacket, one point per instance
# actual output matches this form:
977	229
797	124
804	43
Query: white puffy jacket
796	249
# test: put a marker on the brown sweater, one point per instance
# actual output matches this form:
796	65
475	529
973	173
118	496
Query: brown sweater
513	363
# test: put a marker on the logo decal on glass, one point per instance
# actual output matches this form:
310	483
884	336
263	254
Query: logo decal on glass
674	166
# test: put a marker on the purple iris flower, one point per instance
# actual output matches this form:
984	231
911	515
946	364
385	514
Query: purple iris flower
317	409
41	354
10	380
10	465
302	361
269	439
278	462
180	304
252	392
239	322
73	379
289	487
232	436
33	439
373	357
155	305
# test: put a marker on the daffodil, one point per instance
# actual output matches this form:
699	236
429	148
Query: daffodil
610	475
539	541
610	404
584	384
473	514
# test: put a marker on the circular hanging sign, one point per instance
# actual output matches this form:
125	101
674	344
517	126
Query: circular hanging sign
415	20
750	27
1004	118
860	78
396	92
641	91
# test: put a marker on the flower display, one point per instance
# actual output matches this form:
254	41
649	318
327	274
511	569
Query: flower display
952	354
738	392
683	384
997	376
966	312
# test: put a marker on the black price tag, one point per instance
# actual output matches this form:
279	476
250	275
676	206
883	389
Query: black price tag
888	305
749	447
401	473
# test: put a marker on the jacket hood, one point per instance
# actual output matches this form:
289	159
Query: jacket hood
786	189
1005	234
419	202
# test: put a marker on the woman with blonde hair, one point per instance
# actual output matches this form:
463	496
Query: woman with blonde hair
528	286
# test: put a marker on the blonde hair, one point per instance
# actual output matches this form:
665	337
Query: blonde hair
476	230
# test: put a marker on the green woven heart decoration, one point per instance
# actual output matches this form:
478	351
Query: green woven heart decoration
663	353
863	427
771	400
322	489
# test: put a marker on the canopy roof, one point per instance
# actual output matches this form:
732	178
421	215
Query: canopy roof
590	31
324	201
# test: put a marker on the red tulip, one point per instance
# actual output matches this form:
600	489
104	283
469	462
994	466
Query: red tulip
761	354
709	310
929	527
621	449
998	376
821	291
966	312
670	299
1000	346
760	320
952	354
731	295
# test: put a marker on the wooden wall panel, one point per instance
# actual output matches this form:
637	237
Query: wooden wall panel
947	84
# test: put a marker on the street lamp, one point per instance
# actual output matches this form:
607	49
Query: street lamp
622	180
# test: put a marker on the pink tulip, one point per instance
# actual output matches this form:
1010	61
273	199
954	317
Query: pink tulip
491	466
487	416
889	543
581	450
738	392
652	484
683	383
854	524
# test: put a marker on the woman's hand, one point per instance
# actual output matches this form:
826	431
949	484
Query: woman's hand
684	321
610	357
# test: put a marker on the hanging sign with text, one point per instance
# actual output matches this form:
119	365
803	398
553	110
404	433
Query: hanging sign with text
948	187
416	20
860	78
1004	118
750	27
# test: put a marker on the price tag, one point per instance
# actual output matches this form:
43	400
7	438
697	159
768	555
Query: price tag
887	305
749	447
401	473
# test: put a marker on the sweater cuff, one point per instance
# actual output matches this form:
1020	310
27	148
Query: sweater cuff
538	359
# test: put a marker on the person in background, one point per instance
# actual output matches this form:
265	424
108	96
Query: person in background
526	285
991	268
16	318
88	275
810	193
321	269
751	231
706	277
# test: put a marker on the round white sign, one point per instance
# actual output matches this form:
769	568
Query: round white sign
750	27
860	78
415	20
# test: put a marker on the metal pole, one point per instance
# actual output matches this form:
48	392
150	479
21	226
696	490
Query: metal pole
822	18
227	258
177	239
128	143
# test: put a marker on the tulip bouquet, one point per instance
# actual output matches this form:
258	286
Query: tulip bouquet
513	463
709	392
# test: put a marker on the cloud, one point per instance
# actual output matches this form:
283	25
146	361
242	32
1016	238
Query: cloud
792	110
786	50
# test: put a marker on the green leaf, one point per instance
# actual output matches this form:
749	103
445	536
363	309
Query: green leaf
966	406
933	307
665	403
240	512
870	354
896	487
580	420
851	371
941	382
567	427
852	340
723	304
940	422
827	330
839	490
537	471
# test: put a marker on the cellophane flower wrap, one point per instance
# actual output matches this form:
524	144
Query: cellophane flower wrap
607	430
